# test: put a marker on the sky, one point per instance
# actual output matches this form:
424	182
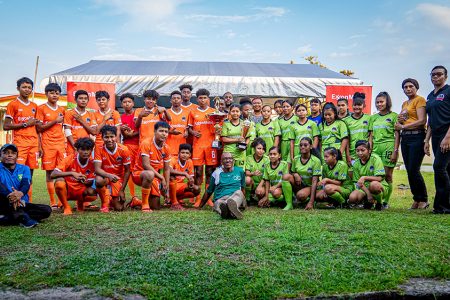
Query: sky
382	41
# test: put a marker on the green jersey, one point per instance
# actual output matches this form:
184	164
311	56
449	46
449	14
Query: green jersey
333	134
226	183
274	176
307	129
373	167
234	131
382	127
358	130
306	171
268	132
286	127
338	172
251	165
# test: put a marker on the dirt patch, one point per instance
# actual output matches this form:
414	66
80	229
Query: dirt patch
416	288
60	293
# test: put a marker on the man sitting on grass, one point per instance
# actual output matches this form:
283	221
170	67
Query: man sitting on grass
15	180
228	185
75	176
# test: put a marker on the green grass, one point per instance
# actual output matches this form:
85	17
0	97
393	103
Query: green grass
195	254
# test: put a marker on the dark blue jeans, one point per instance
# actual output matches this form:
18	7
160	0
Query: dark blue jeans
441	168
412	152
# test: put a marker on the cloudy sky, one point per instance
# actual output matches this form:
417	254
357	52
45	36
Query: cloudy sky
382	41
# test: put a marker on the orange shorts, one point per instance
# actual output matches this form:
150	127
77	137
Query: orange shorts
52	157
181	187
28	155
155	190
204	156
70	150
75	192
114	187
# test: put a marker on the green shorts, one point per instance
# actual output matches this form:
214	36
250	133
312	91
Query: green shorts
346	191
367	183
285	150
384	151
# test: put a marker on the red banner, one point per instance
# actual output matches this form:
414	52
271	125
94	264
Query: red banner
334	92
91	88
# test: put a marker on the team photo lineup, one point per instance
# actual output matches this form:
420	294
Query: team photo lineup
225	152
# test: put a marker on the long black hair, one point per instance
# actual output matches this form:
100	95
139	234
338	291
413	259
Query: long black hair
329	105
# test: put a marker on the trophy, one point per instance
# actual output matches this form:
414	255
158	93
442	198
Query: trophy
217	117
245	128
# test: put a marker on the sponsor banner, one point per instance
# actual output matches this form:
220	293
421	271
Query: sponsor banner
334	92
91	88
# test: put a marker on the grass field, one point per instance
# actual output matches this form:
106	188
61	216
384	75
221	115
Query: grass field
195	254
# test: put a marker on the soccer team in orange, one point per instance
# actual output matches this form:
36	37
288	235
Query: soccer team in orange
83	159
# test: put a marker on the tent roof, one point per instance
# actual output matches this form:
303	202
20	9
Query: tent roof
194	68
262	79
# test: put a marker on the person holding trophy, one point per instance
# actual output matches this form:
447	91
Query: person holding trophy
412	121
236	135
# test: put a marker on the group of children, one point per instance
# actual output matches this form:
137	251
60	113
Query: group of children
329	156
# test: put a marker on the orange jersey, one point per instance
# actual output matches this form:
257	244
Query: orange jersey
199	121
157	155
147	128
114	120
180	123
113	162
188	167
77	129
72	164
21	112
53	137
190	107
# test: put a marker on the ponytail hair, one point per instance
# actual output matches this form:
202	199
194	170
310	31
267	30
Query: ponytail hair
314	151
335	152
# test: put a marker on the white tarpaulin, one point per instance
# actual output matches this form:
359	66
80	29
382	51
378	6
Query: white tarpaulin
262	79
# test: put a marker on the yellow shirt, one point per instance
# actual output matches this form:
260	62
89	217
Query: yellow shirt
410	109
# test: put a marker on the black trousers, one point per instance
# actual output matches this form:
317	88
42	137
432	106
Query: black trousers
413	154
37	212
441	168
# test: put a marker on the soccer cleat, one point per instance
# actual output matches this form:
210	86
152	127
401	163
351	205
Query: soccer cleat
135	202
234	210
28	222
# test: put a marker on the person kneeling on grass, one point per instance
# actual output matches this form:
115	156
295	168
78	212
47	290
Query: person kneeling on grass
112	168
369	177
254	169
306	169
182	177
75	177
278	182
154	157
15	180
228	185
336	184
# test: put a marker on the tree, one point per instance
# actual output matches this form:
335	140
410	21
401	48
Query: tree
348	73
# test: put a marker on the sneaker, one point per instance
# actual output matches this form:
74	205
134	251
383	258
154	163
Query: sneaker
28	222
224	211
385	205
234	210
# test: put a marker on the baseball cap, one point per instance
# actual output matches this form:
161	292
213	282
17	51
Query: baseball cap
8	146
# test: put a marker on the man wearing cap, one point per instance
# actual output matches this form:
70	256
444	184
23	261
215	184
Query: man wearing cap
228	185
15	180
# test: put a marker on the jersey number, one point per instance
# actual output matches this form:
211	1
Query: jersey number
388	154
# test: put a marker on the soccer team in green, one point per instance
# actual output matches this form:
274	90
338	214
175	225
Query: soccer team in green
331	158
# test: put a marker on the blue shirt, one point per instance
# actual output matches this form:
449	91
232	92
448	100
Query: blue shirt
317	119
21	174
226	183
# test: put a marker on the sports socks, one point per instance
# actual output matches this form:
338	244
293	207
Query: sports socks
338	197
286	187
51	193
389	193
61	192
145	197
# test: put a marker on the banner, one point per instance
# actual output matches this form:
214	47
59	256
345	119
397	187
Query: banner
334	92
91	88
